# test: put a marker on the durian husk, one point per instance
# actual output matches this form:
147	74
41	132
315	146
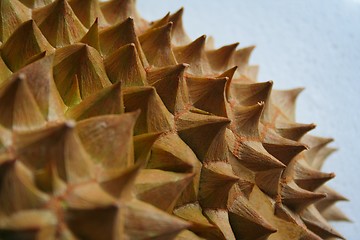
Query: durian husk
113	127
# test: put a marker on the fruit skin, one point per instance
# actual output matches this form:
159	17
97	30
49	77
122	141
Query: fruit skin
115	128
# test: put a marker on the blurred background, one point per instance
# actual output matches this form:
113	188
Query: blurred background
304	43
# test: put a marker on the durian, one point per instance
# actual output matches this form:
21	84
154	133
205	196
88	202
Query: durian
113	127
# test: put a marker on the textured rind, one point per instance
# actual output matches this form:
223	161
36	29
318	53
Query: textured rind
112	127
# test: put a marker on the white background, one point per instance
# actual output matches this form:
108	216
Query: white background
314	44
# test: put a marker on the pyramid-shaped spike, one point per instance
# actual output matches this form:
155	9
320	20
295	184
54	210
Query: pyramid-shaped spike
178	35
204	134
331	198
246	223
170	153
17	189
142	147
171	86
293	131
108	139
16	100
159	23
95	104
154	116
124	66
321	156
39	73
215	182
333	213
286	101
116	36
152	185
297	198
317	224
195	55
156	44
220	218
241	57
246	119
96	223
251	154
120	183
318	152
91	38
90	71
87	11
116	11
25	43
200	225
57	146
12	14
144	221
59	24
251	94
208	94
308	178
220	58
281	148
268	181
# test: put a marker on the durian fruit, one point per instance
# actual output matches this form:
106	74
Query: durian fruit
112	127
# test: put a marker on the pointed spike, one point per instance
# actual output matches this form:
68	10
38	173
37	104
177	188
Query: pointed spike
210	43
281	148
144	221
220	58
24	44
59	24
178	34
194	54
285	100
5	72
17	190
91	38
293	131
12	14
88	11
246	119
143	146
268	181
215	182
333	213
317	224
108	139
200	225
116	36
58	146
161	22
16	100
242	56
308	178
106	101
116	11
124	65
170	153
246	223
156	44
152	184
154	116
120	183
251	94
220	218
331	198
321	157
96	223
39	73
204	134
297	198
208	94
171	86
90	71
